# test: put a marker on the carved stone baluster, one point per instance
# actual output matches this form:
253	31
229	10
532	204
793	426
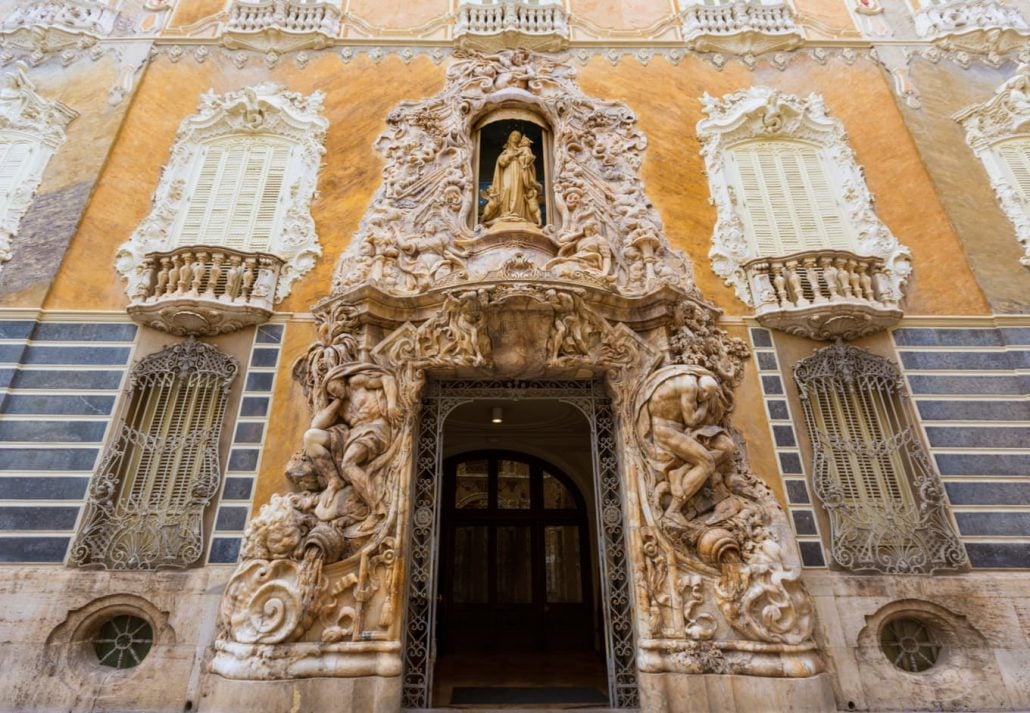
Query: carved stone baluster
197	269
794	280
810	265
844	277
217	258
233	279
830	278
866	281
144	290
249	275
184	263
163	275
856	280
779	282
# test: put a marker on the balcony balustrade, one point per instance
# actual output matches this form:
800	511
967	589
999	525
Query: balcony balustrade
823	294
68	18
974	26
742	27
282	24
205	291
512	23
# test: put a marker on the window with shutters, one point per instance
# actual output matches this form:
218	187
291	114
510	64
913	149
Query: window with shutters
788	198
786	184
148	497
998	131
242	176
887	508
33	127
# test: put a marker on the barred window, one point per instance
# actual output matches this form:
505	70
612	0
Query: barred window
159	473
887	508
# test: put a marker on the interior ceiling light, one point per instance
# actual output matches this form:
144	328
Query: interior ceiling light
496	415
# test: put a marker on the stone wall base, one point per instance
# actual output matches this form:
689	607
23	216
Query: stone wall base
673	692
368	694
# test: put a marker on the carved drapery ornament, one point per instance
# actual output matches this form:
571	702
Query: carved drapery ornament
1003	123
606	299
248	115
887	506
764	113
34	128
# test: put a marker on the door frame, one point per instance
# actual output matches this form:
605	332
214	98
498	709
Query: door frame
589	397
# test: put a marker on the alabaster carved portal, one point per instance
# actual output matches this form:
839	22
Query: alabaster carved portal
596	295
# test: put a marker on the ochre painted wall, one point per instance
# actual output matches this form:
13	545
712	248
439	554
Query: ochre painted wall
665	97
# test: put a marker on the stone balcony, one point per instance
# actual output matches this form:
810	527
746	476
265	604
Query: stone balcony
283	25
205	291
512	23
974	26
741	27
823	294
54	24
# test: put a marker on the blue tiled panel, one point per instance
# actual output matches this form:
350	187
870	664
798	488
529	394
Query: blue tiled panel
772	385
237	488
16	329
36	354
42	404
260	381
33	549
804	522
231	518
47	379
797	492
1001	385
43	487
1012	524
53	431
918	337
11	353
778	410
270	334
42	517
790	464
761	337
989	493
983	463
254	406
1015	336
48	459
264	357
767	361
978	437
82	332
249	432
959	361
999	555
784	436
224	550
974	410
812	554
243	459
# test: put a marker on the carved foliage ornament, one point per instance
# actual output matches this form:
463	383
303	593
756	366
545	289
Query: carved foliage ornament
418	220
31	129
264	111
998	129
764	113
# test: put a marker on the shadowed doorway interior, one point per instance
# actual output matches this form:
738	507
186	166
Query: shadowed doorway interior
517	614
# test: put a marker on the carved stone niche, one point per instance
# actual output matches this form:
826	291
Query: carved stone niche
327	568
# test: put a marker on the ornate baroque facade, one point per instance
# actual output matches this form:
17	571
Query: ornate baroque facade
371	355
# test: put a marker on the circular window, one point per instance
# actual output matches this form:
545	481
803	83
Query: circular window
123	641
909	644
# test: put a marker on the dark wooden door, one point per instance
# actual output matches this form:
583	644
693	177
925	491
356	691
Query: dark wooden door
515	566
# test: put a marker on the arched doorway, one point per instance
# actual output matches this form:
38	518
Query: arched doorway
515	562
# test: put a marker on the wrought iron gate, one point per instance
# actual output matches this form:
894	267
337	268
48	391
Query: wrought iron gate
439	399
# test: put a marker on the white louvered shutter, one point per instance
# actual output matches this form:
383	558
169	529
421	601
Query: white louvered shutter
236	195
787	200
1015	157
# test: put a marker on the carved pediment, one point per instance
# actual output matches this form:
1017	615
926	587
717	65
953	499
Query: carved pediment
428	189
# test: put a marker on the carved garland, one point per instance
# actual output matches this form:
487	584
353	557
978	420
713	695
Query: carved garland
766	113
27	117
250	113
1003	117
